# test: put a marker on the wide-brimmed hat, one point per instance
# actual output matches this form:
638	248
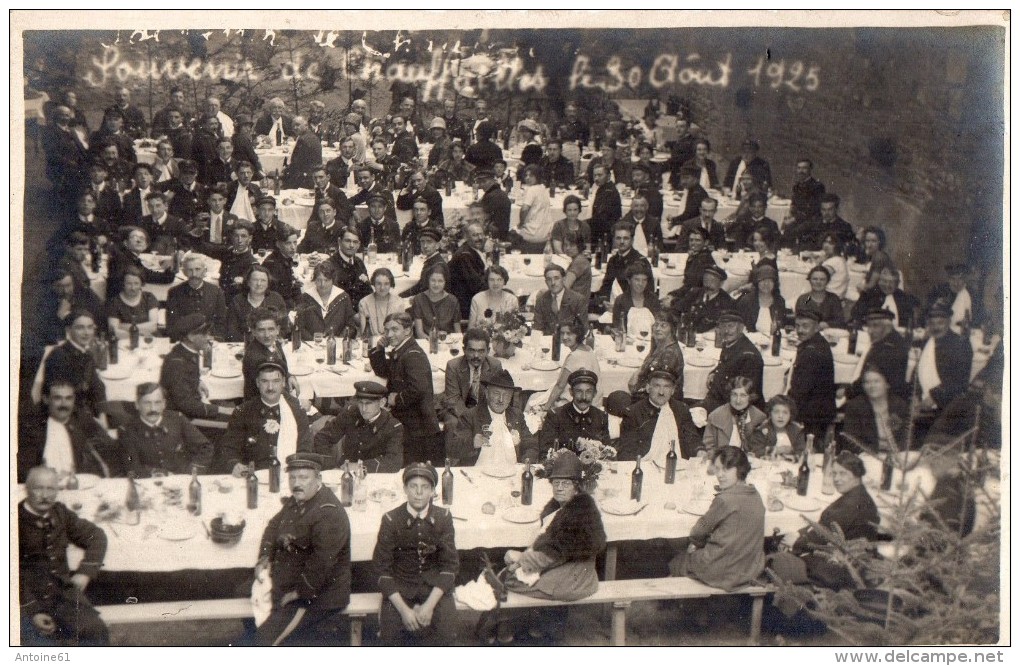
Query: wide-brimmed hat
501	379
529	125
564	465
437	123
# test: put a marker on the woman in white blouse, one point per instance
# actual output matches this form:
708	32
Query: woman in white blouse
536	213
485	305
374	308
833	261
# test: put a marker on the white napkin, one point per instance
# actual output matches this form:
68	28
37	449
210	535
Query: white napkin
262	597
477	594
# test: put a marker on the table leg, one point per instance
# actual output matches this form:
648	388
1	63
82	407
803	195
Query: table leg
620	622
610	572
757	607
357	624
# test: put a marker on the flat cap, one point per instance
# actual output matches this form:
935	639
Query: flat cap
188	166
270	365
437	123
583	376
265	199
427	472
940	309
431	232
304	460
661	373
370	390
377	197
808	313
730	317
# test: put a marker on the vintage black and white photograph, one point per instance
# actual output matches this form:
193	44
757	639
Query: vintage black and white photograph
509	328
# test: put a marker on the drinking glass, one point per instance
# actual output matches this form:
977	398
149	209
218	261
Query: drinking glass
147	341
640	346
454	351
527	261
545	351
317	337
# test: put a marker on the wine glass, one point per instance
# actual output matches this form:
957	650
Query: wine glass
454	351
699	343
640	346
527	261
263	252
158	474
545	350
317	338
147	341
643	334
442	336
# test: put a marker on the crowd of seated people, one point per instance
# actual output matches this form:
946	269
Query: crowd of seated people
199	200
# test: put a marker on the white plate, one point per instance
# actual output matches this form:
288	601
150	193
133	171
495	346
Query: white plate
177	531
806	504
698	508
672	272
119	371
621	507
545	364
87	481
300	370
451	338
770	360
629	362
226	373
521	515
305	201
533	271
700	362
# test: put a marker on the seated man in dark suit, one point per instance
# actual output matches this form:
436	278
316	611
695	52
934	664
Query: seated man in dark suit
167	234
715	233
887	294
186	196
467	268
196	296
463	388
418	188
750	162
161	438
72	361
739	358
380	227
322	233
745	225
327	191
493	433
704	305
65	438
693	195
578	418
651	424
557	304
282	265
268	226
888	354
625	255
699	258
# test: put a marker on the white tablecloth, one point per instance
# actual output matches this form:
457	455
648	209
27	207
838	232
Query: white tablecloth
271	158
142	547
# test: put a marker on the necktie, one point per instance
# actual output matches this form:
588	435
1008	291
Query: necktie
473	395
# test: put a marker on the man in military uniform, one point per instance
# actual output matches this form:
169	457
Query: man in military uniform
417	563
812	380
267	225
739	358
180	374
273	420
705	305
158	438
379	227
282	263
888	353
408	375
565	424
54	609
351	274
264	346
364	431
307	548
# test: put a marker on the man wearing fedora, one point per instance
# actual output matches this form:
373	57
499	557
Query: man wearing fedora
739	358
493	432
705	305
364	431
411	396
650	424
272	421
578	418
307	549
416	557
812	380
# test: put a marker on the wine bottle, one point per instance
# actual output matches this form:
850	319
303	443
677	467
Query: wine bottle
495	254
207	356
195	493
113	351
552	190
347	486
851	343
276	180
348	353
653	254
671	463
804	471
330	348
887	471
72	481
433	338
598	257
777	338
448	484
252	486
637	478
527	483
556	344
372	249
295	338
133	335
274	471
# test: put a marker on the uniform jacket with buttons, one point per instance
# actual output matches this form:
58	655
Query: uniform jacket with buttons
308	546
380	444
208	301
563	425
174	445
414	555
43	573
180	379
739	359
408	373
246	438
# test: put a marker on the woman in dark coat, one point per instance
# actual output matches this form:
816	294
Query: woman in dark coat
853	511
877	420
560	564
763	306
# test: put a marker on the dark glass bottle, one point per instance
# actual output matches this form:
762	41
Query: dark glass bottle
406	257
637	479
252	486
671	463
851	343
804	472
887	471
274	471
295	338
527	484
330	348
777	338
556	344
495	254
347	486
133	335
447	484
113	352
433	338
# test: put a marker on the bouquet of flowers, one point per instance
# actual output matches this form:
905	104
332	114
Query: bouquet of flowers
591	453
508	327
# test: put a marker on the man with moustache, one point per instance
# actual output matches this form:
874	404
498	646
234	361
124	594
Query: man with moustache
649	425
463	388
306	548
160	438
364	431
493	432
578	418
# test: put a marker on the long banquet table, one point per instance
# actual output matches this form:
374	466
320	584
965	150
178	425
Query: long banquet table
164	537
271	158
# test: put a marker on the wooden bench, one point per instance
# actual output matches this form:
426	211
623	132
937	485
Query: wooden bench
620	593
